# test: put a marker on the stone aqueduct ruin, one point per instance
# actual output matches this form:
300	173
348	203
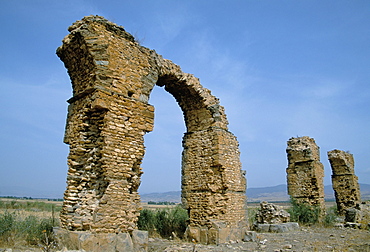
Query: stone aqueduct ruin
112	78
109	114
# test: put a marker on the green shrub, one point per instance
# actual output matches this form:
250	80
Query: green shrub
177	221
252	211
7	222
330	217
147	221
165	222
303	213
35	230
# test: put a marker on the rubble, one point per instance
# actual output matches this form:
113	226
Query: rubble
271	214
272	218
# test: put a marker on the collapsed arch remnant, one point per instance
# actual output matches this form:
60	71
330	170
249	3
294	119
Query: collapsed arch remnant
112	77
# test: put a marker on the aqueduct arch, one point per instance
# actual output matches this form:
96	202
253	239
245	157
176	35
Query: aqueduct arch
112	77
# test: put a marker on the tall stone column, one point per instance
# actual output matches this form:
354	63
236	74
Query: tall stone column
213	186
305	172
108	117
344	180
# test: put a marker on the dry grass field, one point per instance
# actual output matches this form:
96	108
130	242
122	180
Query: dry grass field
28	223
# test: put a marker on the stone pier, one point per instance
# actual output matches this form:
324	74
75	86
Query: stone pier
344	180
109	113
305	172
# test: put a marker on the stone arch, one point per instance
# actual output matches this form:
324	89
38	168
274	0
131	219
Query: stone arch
112	77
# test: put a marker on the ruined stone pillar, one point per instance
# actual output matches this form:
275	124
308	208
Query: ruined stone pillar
344	180
108	116
213	186
305	172
112	78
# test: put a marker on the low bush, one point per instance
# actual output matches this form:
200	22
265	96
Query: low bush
164	222
7	223
147	221
307	215
303	213
251	213
330	217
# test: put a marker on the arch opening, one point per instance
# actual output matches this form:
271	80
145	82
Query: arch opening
162	159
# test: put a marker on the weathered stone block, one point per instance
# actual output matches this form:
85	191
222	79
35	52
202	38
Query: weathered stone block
110	242
213	236
224	235
284	227
192	234
292	226
262	228
88	242
360	214
277	228
66	238
203	235
140	240
124	243
250	236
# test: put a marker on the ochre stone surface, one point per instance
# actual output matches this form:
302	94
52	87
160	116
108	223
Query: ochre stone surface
271	214
112	78
305	172
344	180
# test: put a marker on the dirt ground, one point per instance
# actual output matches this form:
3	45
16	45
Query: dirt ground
306	239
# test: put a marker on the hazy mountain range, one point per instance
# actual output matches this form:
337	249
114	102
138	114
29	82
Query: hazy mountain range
271	193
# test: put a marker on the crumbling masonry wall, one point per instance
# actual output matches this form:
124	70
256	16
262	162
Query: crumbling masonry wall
112	77
344	180
305	172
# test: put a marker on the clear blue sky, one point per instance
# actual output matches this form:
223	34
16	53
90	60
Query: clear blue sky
280	68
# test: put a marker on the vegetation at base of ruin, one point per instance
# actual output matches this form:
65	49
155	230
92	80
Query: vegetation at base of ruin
331	216
27	231
251	214
303	213
309	215
365	220
167	223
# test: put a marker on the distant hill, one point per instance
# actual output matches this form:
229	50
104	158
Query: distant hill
271	193
174	196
